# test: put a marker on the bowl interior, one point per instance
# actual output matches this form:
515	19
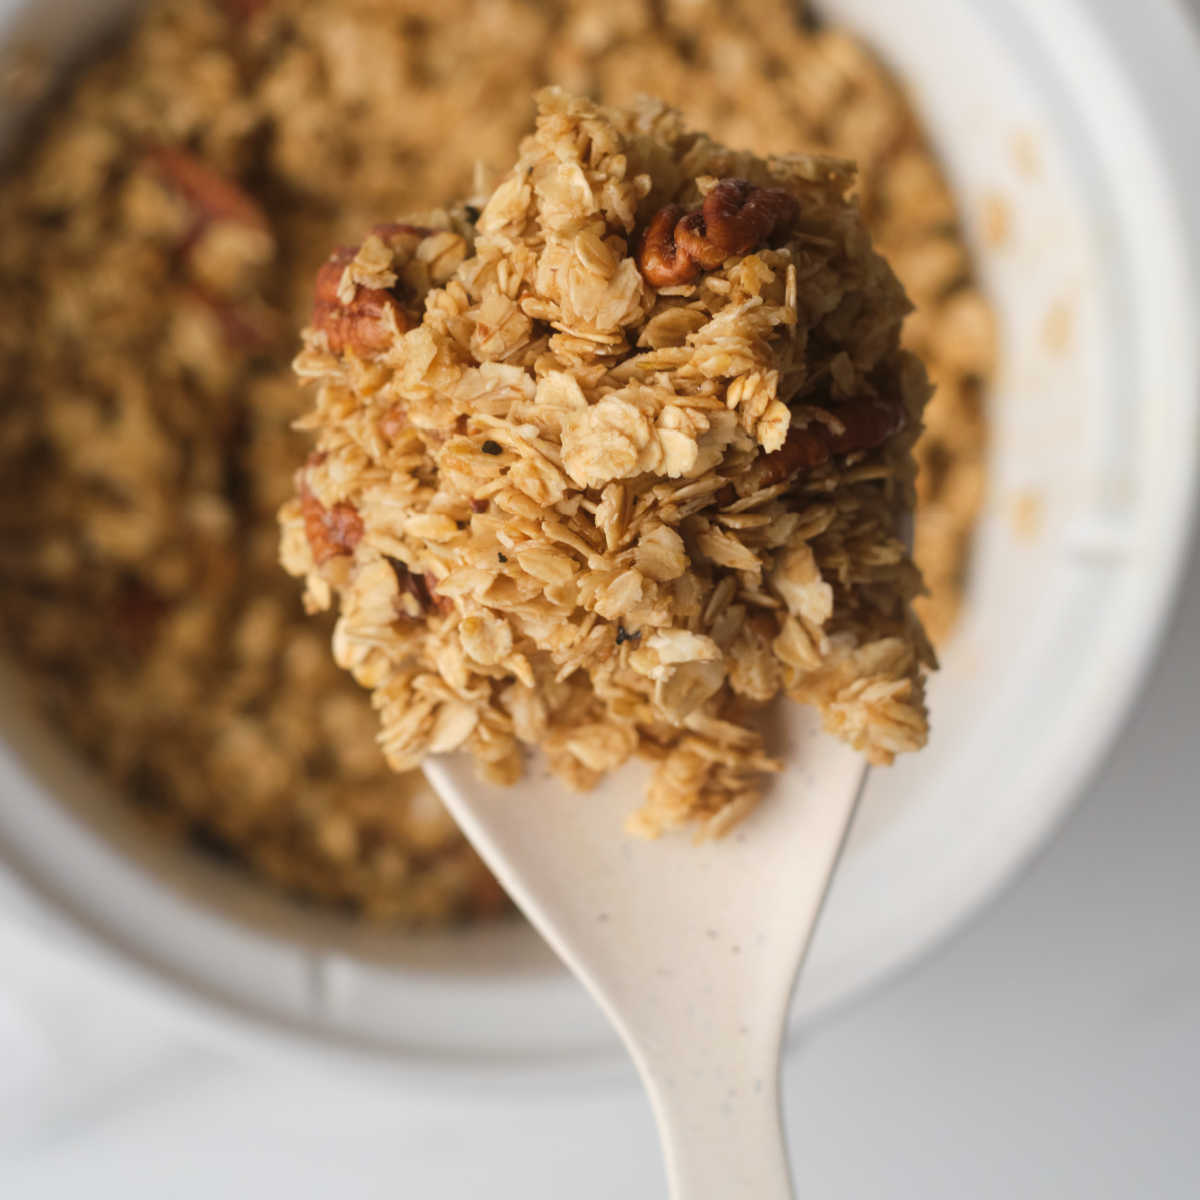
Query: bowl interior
1076	556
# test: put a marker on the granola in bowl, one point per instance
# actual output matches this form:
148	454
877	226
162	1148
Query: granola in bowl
174	653
612	456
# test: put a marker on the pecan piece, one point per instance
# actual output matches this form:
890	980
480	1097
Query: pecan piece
662	262
422	588
739	216
867	422
243	10
735	218
330	531
428	584
209	195
137	612
693	243
363	325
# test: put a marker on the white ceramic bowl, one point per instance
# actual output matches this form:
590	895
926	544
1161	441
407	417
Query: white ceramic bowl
1026	99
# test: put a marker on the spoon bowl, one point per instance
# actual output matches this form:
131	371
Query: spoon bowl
691	948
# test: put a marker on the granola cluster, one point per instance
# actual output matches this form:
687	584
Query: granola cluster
639	504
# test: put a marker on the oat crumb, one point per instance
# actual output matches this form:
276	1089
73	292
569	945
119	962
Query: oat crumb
1027	514
1026	154
1058	327
997	220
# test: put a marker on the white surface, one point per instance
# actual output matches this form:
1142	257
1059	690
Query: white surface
690	950
1050	1052
1030	693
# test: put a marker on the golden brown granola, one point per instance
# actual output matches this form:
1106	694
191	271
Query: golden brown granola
652	469
144	442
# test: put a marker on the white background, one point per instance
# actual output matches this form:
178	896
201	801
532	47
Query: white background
1052	1050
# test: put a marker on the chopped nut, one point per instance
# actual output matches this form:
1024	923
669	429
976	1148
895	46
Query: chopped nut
735	218
137	612
243	10
208	193
866	423
330	531
663	262
367	323
422	589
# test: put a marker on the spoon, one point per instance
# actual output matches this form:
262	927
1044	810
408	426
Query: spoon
691	949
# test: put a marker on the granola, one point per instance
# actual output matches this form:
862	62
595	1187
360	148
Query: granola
648	437
147	387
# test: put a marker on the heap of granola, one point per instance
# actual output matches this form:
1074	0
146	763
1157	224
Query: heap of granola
615	457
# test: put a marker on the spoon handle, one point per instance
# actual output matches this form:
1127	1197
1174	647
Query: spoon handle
691	949
720	1125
